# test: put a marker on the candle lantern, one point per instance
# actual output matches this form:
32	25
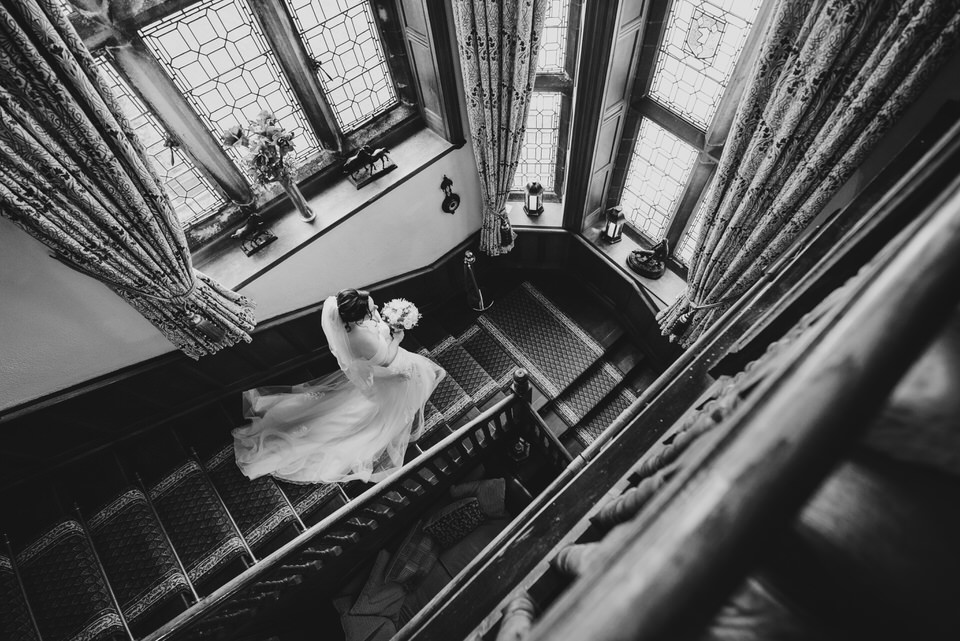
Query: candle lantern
533	201
613	225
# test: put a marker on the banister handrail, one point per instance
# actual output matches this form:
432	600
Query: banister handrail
931	162
208	604
680	554
702	355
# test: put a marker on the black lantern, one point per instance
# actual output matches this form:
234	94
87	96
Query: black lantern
533	202
613	225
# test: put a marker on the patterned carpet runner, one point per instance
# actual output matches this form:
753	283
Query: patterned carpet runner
544	340
526	329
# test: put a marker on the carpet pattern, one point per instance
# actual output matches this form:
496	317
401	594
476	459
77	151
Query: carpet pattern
15	620
588	431
63	584
544	340
136	557
257	506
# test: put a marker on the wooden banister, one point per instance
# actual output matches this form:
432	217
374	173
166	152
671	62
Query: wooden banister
676	560
351	521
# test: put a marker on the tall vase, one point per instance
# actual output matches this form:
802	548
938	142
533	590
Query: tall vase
290	186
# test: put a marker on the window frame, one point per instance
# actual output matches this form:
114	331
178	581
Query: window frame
175	113
561	83
642	105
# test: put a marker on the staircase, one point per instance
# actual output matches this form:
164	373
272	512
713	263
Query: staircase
151	529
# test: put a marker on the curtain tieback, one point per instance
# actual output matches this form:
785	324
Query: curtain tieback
723	301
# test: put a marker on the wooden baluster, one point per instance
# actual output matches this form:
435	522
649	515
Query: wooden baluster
103	571
286	499
23	592
216	493
166	537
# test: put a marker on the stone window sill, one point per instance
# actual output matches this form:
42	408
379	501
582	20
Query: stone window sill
663	291
225	262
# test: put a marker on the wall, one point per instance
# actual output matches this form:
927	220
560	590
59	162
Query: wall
59	328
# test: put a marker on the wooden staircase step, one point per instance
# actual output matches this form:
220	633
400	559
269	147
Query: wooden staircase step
258	506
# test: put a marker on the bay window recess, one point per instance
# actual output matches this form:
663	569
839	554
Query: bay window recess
336	74
543	155
685	89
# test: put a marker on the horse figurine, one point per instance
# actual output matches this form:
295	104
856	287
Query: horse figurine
362	165
355	164
380	154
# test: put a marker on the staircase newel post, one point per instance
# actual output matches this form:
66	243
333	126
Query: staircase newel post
474	295
520	412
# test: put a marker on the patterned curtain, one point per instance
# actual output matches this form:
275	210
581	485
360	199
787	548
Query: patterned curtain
831	78
74	176
498	42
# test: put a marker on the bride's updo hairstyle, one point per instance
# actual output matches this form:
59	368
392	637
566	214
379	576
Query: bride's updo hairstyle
353	305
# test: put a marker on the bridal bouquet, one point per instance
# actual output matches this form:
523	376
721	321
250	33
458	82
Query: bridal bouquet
267	146
400	314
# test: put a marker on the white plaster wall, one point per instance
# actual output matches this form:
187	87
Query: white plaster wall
59	328
402	231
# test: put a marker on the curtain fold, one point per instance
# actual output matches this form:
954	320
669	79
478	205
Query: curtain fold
74	176
498	41
831	78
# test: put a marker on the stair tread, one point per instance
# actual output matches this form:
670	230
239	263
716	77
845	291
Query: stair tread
490	355
257	505
307	497
604	414
468	373
136	556
577	401
15	622
195	521
65	588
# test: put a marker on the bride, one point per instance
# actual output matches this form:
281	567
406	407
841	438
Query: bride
351	424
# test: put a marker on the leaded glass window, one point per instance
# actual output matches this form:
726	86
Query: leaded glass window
538	156
342	38
701	45
688	240
219	59
659	168
190	193
553	41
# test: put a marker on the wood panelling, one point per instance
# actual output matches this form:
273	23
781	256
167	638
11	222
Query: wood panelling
425	25
604	104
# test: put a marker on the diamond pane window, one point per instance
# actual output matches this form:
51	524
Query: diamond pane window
684	251
190	193
659	168
701	44
553	41
218	57
341	36
538	156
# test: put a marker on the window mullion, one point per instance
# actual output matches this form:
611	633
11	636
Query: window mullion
164	99
682	129
699	178
299	69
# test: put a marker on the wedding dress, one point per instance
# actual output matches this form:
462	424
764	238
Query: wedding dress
355	423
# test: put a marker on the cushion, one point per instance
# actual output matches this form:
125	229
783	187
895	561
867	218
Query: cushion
452	522
414	559
490	492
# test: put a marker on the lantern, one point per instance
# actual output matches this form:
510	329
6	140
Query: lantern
533	201
613	225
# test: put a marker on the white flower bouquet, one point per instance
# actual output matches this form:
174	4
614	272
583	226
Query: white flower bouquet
400	314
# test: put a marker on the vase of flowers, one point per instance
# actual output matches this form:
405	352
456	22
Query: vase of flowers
268	153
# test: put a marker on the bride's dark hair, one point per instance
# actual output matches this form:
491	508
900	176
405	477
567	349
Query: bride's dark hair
353	305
